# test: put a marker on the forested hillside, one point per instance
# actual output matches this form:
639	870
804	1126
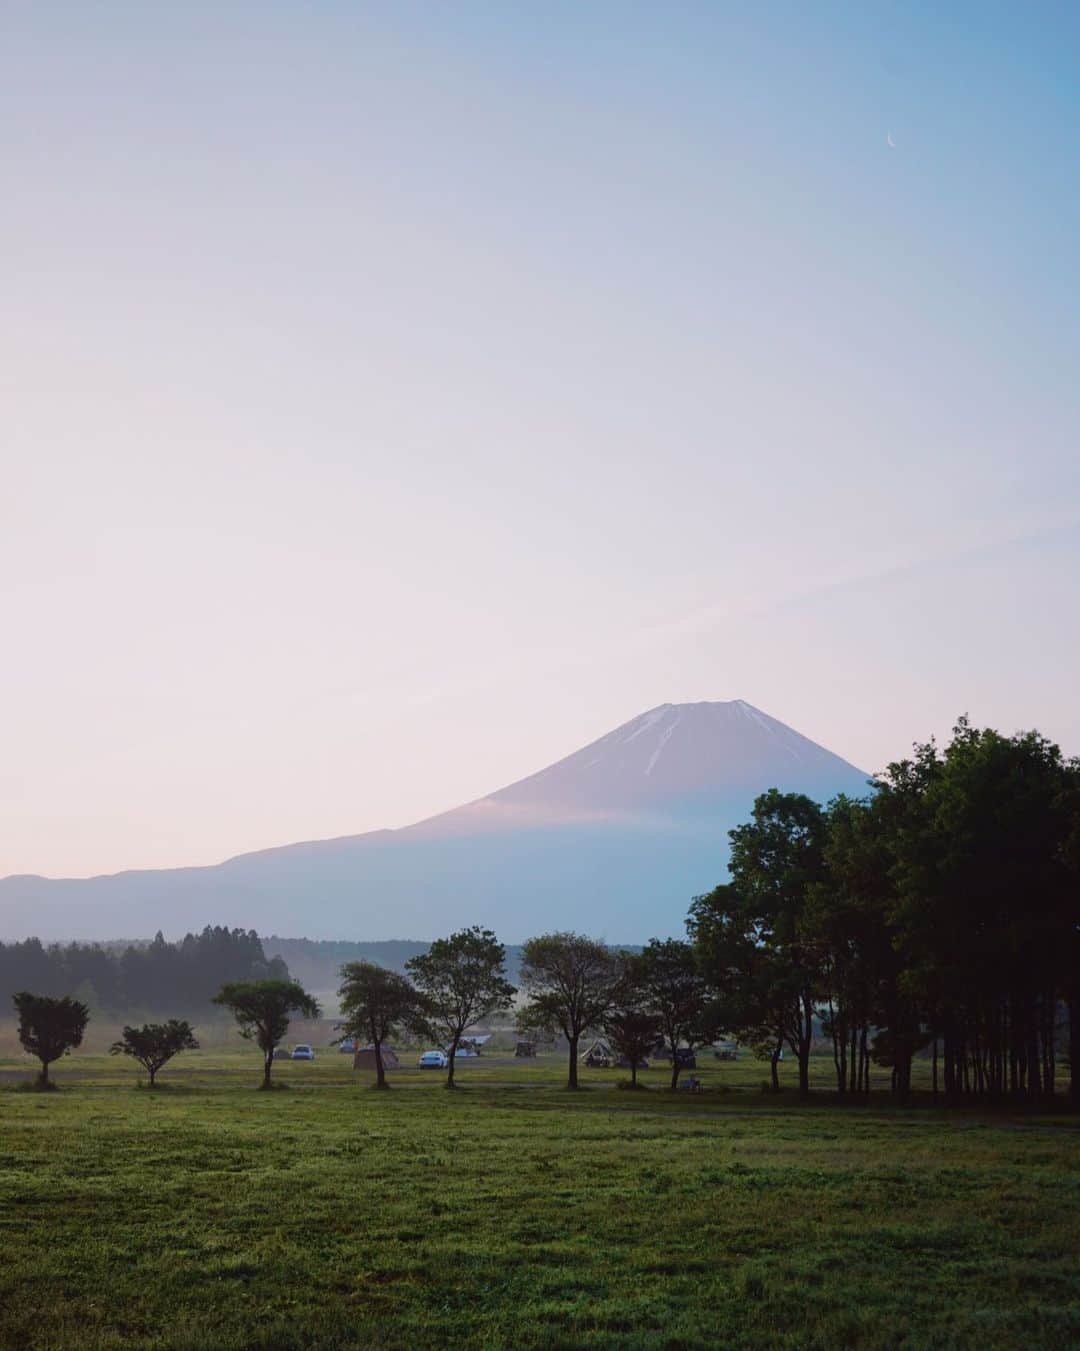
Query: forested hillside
155	977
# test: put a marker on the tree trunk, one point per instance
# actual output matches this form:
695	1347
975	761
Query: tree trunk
380	1069
853	1080
1074	1048
633	1073
268	1061
675	1068
153	1074
806	1041
902	1071
839	1041
43	1077
571	1079
450	1064
774	1066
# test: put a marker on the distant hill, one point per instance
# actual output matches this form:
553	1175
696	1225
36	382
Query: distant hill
316	962
615	839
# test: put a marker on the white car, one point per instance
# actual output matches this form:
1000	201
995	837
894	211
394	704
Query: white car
433	1060
303	1053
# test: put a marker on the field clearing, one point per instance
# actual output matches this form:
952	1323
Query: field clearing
206	1214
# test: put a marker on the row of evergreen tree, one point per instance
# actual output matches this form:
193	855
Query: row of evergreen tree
158	977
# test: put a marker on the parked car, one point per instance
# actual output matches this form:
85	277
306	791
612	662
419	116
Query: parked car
303	1053
433	1060
282	1053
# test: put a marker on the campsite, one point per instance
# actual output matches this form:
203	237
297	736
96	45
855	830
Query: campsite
513	1212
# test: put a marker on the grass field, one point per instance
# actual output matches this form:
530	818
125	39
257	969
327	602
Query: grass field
208	1215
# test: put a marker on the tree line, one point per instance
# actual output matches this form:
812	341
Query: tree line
939	916
158	977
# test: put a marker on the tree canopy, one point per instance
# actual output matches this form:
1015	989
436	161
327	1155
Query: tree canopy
376	1004
154	1044
673	989
155	977
942	912
462	980
49	1027
263	1009
572	983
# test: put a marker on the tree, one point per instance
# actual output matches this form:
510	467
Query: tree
848	917
263	1008
633	1033
1070	947
154	1044
986	914
674	990
158	976
572	983
462	980
49	1027
776	859
746	976
374	1003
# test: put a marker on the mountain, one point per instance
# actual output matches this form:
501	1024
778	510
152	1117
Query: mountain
614	840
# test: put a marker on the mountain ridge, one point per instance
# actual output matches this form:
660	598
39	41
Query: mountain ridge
627	827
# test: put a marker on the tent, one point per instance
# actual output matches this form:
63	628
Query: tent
364	1059
471	1046
599	1056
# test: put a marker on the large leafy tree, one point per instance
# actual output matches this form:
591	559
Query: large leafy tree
463	980
986	909
49	1027
375	1004
154	1044
263	1010
776	859
676	992
849	916
739	971
572	983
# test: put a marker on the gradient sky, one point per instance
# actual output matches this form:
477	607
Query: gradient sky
397	396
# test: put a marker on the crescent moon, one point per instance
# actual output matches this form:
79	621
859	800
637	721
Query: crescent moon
889	141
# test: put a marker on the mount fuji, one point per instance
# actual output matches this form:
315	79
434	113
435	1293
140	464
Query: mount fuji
613	840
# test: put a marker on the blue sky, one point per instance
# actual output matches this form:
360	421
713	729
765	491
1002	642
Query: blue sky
398	396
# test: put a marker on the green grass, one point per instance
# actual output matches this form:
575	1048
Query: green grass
511	1213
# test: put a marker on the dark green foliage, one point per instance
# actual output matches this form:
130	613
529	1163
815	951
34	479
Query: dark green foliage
672	988
154	1044
572	983
376	1003
263	1009
941	913
462	980
633	1033
776	862
157	976
49	1027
